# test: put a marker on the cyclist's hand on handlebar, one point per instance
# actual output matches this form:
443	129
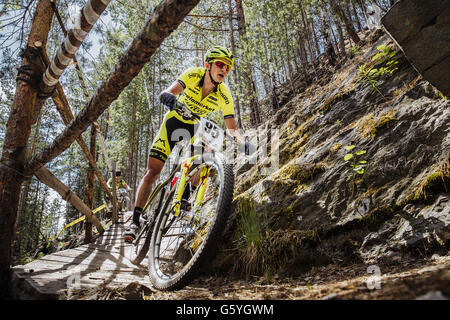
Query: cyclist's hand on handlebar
168	100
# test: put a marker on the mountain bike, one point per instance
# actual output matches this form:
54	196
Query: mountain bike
187	212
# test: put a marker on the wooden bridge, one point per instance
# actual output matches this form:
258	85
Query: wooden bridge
101	263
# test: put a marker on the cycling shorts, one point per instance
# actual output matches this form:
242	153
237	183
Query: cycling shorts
174	129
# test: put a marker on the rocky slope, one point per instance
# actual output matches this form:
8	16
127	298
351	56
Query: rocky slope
315	210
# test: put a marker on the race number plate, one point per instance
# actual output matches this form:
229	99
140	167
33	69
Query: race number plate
210	134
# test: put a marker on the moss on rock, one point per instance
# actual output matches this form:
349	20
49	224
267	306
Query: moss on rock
293	177
369	125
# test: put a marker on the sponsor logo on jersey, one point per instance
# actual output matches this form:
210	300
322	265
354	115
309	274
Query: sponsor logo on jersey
161	140
225	98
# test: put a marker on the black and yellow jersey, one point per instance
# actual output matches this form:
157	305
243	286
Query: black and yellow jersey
219	99
119	184
174	123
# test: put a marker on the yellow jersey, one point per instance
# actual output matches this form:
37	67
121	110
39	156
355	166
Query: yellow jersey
219	99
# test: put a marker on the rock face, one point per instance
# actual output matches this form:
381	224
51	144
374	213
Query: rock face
422	29
408	227
398	205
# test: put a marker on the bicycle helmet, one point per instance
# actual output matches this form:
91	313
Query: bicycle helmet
219	52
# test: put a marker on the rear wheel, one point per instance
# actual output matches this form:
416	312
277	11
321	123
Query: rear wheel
181	244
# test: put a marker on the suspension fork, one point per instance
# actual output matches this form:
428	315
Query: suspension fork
202	187
176	202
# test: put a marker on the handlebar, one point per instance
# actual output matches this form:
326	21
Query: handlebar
190	114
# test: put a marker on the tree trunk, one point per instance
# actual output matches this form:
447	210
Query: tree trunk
235	74
288	56
136	166
301	46
307	36
326	31
255	113
348	26
355	13
90	195
17	133
115	215
341	37
39	224
314	34
132	134
26	187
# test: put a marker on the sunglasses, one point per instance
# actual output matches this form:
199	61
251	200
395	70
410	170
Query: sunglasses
220	65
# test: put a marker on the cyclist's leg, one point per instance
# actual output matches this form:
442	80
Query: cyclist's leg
158	155
154	167
159	152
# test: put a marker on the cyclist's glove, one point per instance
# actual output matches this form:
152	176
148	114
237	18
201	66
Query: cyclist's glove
168	100
249	148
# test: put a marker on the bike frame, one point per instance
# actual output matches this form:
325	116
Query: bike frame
186	166
176	202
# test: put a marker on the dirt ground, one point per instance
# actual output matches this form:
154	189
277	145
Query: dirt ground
428	278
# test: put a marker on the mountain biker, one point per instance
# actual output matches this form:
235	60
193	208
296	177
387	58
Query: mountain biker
202	90
120	183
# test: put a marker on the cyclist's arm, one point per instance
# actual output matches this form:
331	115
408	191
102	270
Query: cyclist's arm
175	88
230	123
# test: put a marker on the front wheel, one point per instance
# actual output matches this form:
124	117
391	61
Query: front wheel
181	244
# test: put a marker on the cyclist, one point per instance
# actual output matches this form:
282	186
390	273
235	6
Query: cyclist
202	90
120	183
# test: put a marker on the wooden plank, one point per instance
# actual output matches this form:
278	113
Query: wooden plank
101	260
422	30
102	263
53	286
